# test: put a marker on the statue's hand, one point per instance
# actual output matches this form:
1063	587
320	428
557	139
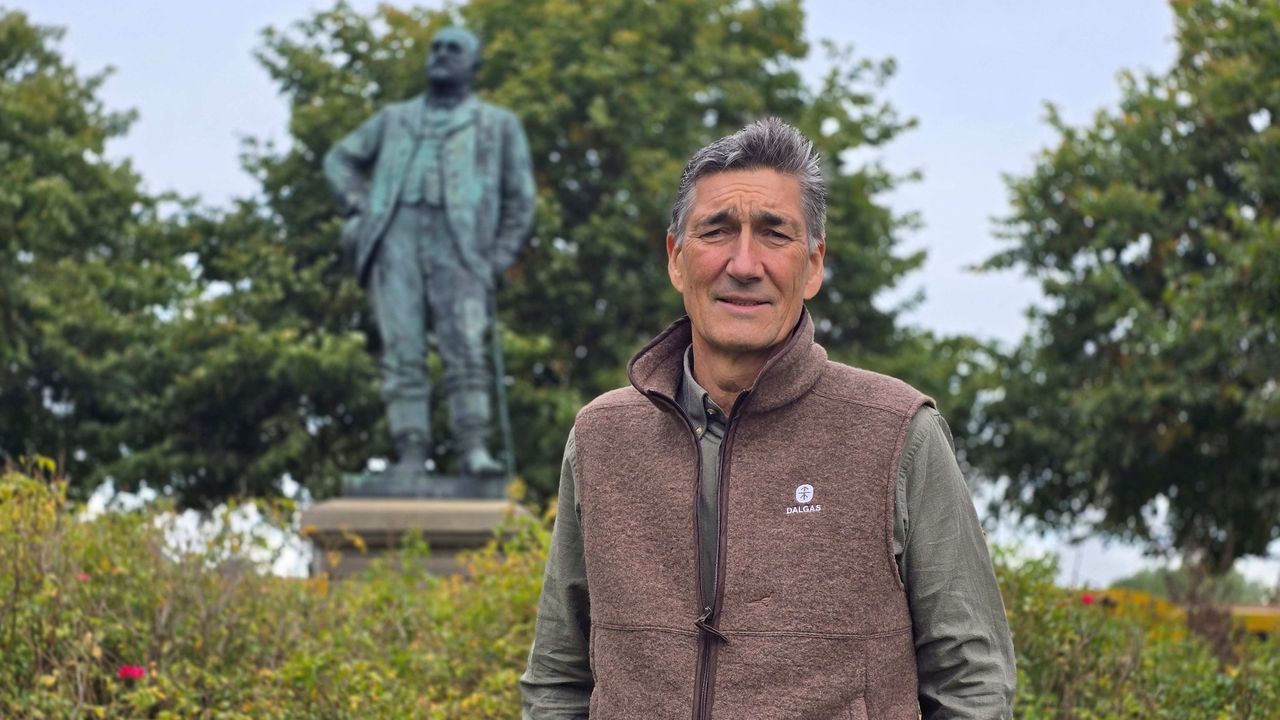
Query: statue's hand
502	262
500	265
356	204
350	237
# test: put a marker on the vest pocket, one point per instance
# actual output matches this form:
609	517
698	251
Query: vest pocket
791	676
641	672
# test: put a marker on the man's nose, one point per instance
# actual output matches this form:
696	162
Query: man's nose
744	257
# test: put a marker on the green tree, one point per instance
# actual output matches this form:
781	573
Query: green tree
89	272
1175	584
614	96
1152	370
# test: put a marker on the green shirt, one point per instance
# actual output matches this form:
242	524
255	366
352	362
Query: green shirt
964	653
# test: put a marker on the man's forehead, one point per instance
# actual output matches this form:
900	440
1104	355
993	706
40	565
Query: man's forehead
458	35
727	193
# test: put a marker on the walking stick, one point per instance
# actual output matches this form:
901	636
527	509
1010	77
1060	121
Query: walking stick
500	389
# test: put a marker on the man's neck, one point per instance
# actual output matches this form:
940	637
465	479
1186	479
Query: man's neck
724	377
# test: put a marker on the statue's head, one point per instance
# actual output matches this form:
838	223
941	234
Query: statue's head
454	57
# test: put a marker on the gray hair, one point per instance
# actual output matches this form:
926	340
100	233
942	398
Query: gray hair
769	144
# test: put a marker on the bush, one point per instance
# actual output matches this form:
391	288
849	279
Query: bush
86	604
1083	656
101	618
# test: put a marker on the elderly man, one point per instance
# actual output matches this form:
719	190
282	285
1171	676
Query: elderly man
751	530
439	195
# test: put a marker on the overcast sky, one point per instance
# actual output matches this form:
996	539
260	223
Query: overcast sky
976	74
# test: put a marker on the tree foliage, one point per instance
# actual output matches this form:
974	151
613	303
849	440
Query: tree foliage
1151	374
88	270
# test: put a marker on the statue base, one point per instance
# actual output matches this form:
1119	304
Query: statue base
391	484
348	534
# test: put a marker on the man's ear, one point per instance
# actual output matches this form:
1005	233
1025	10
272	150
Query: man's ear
673	266
817	269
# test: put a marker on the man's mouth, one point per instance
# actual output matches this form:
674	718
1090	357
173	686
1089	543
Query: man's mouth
743	302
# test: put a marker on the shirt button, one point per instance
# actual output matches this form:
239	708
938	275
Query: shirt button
711	411
698	431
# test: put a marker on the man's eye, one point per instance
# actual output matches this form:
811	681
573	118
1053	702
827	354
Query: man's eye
715	232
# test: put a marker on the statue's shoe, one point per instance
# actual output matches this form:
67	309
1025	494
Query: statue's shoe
478	461
412	463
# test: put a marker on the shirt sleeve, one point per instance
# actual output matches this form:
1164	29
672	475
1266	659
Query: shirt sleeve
558	681
964	651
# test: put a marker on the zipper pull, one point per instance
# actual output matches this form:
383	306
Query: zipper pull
701	624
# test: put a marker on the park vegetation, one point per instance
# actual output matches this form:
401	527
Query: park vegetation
107	618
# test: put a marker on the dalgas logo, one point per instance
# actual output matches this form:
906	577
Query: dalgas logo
804	494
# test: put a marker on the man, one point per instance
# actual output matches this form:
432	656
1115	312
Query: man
751	530
439	193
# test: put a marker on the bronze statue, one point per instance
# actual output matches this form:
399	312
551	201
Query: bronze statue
439	196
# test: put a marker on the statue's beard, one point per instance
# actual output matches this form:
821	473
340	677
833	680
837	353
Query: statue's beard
448	87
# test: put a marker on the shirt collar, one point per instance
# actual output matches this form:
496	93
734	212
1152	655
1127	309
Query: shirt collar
695	401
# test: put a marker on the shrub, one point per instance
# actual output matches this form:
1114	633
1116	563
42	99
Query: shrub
1082	655
102	618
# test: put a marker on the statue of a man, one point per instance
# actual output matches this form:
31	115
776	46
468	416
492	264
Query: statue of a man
439	195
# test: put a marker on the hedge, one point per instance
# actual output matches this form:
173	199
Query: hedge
103	618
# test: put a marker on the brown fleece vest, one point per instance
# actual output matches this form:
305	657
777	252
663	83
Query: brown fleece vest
810	618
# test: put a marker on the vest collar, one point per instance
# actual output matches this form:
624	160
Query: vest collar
789	373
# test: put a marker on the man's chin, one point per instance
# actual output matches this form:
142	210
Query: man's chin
744	344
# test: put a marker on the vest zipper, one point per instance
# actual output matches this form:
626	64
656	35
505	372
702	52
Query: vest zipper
709	620
712	620
701	681
702	678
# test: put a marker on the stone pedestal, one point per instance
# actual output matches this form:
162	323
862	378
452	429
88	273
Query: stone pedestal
448	525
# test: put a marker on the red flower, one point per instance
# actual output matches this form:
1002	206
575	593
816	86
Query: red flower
82	576
1087	598
131	672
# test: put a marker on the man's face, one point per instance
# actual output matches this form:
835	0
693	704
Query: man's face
453	58
744	267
